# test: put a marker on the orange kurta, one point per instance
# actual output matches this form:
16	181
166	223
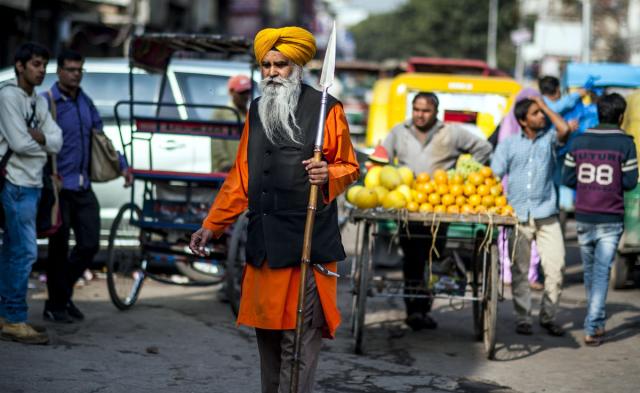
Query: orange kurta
270	296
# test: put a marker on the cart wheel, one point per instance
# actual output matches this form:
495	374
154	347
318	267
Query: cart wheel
478	317
490	311
363	265
125	274
236	259
476	289
619	272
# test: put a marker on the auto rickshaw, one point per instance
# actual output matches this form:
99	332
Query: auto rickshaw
480	102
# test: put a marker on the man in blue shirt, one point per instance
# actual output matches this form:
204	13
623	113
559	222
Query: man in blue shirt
550	89
528	159
78	118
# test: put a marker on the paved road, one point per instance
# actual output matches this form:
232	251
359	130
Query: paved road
182	340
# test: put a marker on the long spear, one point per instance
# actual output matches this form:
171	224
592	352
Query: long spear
326	80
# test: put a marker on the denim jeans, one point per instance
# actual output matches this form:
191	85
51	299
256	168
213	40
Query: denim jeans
598	245
19	249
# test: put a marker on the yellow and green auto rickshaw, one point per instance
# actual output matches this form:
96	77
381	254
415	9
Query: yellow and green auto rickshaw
478	100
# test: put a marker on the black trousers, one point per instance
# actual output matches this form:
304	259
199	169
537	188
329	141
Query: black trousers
80	212
416	256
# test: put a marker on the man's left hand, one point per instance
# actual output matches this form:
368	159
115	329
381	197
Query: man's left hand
318	171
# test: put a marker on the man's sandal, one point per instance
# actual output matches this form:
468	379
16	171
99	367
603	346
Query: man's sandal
592	341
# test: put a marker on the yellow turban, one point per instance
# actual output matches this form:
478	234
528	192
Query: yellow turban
296	43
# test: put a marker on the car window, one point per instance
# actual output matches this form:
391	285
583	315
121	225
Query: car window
107	88
203	89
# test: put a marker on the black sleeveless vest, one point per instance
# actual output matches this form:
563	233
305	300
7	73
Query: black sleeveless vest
279	194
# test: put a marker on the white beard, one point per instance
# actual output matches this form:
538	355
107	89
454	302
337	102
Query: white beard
277	108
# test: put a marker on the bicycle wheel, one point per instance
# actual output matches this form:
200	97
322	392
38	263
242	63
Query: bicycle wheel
490	314
236	259
125	273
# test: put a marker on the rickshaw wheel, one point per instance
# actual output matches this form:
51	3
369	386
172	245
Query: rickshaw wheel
360	294
125	274
236	258
490	311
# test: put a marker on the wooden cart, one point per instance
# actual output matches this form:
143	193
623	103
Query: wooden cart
481	287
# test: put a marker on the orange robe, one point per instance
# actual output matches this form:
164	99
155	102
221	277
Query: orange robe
269	296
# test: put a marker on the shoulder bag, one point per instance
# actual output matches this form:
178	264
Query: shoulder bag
49	218
105	162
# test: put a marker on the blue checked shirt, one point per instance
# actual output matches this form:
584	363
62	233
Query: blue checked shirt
529	165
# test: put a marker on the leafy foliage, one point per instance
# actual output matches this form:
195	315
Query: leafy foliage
437	28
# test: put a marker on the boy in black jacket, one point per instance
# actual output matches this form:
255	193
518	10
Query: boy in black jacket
601	165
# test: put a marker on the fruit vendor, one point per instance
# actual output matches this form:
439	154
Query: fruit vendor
271	177
426	144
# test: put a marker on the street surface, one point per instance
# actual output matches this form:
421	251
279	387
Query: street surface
183	340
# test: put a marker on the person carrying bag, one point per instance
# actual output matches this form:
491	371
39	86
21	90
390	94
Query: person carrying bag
87	156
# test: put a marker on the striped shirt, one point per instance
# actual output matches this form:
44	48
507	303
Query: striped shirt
529	164
601	164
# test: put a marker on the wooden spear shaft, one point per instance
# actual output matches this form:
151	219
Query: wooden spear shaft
306	252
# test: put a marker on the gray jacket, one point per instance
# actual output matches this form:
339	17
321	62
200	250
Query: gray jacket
29	157
444	145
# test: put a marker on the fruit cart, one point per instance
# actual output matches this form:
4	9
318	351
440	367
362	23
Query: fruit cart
480	284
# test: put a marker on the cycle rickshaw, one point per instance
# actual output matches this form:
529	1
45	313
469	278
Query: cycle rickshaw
479	276
150	234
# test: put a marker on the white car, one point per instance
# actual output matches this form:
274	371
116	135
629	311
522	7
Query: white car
188	81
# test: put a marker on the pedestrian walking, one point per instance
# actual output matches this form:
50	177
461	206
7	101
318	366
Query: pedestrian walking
78	118
27	135
272	175
528	159
223	151
508	127
425	144
601	164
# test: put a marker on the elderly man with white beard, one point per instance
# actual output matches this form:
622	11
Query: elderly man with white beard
271	177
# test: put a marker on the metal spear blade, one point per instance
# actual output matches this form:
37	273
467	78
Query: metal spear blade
329	65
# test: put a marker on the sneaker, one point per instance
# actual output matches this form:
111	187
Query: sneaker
553	329
56	316
419	321
23	333
36	327
74	312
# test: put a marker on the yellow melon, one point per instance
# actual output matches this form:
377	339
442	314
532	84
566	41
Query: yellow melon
351	194
366	198
406	174
372	177
394	200
389	177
